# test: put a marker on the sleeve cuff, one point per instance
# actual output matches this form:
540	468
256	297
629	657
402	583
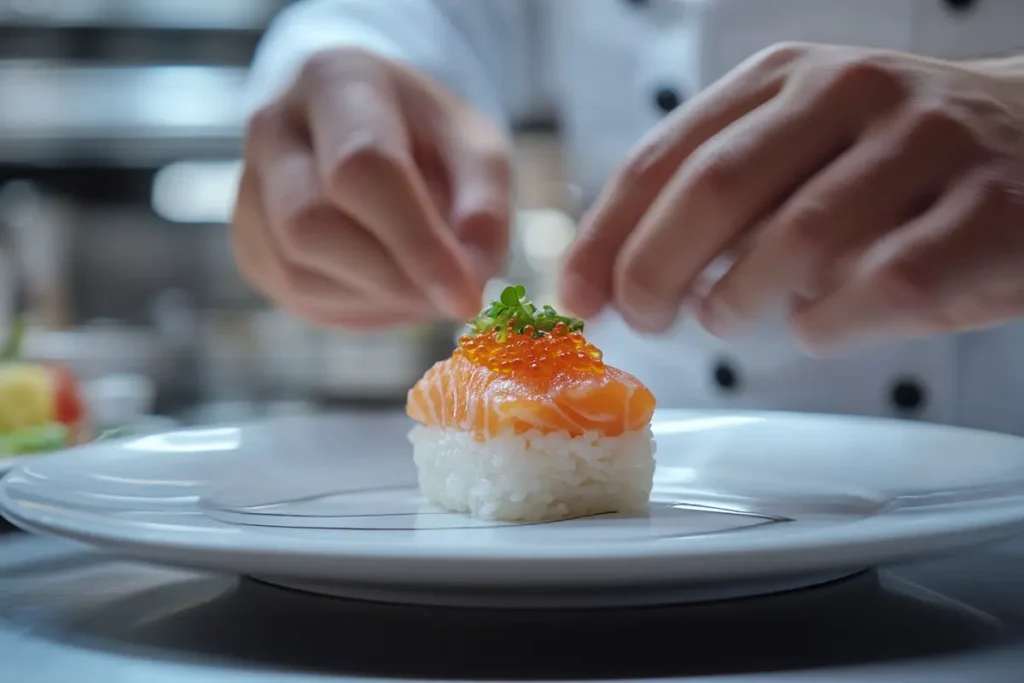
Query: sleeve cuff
449	61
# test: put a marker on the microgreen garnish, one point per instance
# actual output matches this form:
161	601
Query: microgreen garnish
513	307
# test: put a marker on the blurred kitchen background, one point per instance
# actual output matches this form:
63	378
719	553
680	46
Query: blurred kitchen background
120	130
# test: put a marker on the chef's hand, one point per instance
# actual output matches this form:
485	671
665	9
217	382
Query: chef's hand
876	194
371	197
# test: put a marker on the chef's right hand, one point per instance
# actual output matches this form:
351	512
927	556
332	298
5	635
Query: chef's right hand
371	197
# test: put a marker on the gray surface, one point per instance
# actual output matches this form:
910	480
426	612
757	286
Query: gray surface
68	613
125	114
193	14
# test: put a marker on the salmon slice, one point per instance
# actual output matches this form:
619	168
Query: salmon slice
458	393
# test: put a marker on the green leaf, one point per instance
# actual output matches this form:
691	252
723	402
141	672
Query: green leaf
510	297
513	308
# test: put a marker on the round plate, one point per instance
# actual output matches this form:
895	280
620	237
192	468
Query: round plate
742	503
8	463
143	424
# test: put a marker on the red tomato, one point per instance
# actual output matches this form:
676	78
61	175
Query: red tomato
69	407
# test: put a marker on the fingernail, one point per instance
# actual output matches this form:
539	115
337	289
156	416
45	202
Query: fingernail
447	301
814	335
651	314
655	320
581	297
812	350
718	318
822	343
484	263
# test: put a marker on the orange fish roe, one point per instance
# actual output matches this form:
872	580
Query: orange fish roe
500	380
558	352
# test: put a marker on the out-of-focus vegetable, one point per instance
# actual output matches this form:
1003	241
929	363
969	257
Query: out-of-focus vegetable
48	437
41	407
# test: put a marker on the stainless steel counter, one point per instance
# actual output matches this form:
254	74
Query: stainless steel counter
70	614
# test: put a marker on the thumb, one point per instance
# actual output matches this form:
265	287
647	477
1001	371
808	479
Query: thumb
481	208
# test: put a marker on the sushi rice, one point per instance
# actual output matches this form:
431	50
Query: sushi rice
534	476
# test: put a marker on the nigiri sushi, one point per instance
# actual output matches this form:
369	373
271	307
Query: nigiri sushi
525	422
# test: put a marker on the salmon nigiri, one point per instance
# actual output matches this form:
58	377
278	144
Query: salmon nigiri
525	421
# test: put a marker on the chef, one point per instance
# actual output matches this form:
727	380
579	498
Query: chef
792	204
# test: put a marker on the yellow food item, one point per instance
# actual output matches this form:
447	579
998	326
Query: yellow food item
26	396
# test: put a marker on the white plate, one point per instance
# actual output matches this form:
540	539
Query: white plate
143	424
8	463
329	503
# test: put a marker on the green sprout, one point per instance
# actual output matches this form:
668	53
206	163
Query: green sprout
513	307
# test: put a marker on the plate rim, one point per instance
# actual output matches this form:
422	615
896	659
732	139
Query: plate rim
9	463
970	526
706	565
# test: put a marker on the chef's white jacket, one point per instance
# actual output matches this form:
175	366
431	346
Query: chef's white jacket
609	70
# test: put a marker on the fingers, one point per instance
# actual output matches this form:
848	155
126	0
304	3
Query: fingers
586	284
250	237
340	213
367	168
866	193
258	257
305	293
308	231
955	268
723	190
478	158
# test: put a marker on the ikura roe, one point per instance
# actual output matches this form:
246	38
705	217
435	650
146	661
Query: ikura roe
521	353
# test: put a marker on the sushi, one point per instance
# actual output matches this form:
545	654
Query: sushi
525	422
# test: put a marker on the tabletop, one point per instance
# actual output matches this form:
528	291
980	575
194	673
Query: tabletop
71	613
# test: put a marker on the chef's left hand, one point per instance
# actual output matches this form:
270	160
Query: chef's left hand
876	194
